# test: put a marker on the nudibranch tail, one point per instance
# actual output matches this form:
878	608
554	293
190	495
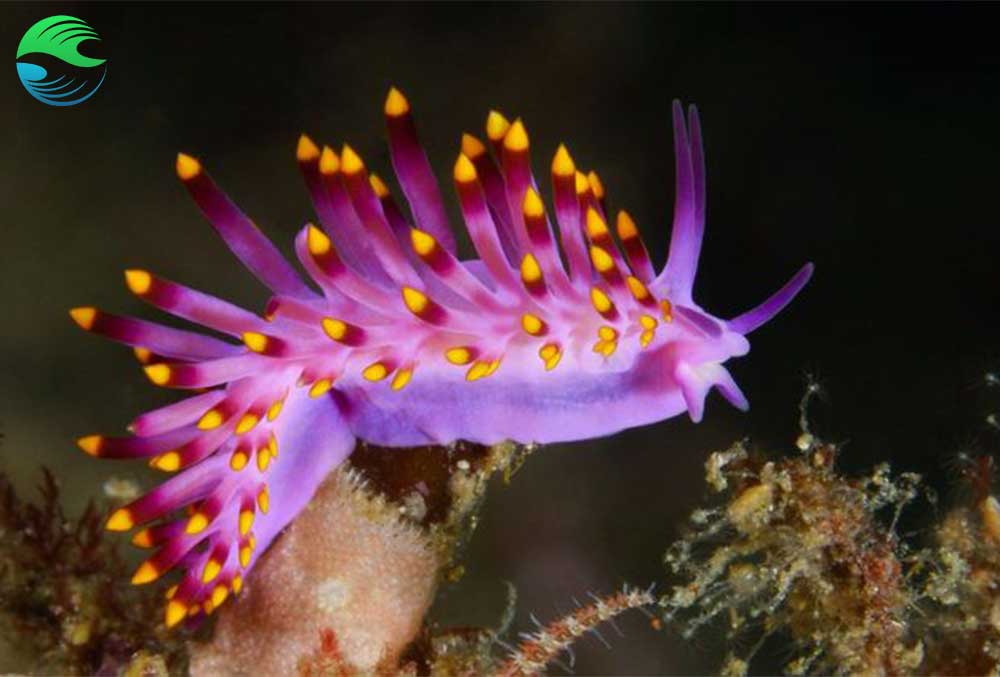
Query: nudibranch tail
391	337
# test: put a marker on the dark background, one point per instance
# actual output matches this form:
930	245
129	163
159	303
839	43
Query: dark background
863	138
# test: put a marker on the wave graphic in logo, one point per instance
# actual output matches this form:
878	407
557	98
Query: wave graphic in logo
50	65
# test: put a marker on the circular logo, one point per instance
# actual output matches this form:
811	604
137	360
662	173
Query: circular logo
50	65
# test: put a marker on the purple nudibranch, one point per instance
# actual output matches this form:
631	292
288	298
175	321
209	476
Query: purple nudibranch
542	338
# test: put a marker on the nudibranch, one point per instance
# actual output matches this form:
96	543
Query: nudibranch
549	334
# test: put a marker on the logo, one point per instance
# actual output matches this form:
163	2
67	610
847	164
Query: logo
50	65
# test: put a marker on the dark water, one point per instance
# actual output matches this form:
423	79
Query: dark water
863	138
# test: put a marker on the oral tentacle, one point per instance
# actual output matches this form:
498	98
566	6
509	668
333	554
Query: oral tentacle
755	317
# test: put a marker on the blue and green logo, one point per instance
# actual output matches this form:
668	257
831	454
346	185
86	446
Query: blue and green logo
50	65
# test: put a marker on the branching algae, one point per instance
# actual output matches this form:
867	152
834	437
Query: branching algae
398	343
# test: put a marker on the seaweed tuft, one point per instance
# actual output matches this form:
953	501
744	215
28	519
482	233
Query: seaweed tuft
62	605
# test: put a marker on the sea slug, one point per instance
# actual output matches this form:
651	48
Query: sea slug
398	342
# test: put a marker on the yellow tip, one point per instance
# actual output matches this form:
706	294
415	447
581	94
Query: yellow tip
275	410
211	420
176	612
516	139
378	186
90	444
595	185
350	162
138	281
648	322
465	171
317	241
601	259
600	300
666	311
212	569
478	371
496	126
532	205
329	163
264	458
197	523
171	591
143	539
320	388
401	378
146	573
607	333
245	553
246	521
562	163
637	288
239	460
219	595
157	373
247	423
416	301
423	243
237	584
472	147
582	185
626	226
458	356
550	355
84	316
264	500
396	104
120	520
144	355
306	150
530	270
335	329
168	462
255	341
532	324
596	227
375	372
187	167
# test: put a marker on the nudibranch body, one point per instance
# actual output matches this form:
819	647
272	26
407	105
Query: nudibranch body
542	338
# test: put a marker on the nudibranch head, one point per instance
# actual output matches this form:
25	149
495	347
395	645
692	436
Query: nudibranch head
400	342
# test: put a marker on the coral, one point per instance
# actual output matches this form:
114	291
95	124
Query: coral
349	564
359	567
61	598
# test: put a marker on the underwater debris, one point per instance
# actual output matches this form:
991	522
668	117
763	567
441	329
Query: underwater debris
61	599
795	549
801	550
